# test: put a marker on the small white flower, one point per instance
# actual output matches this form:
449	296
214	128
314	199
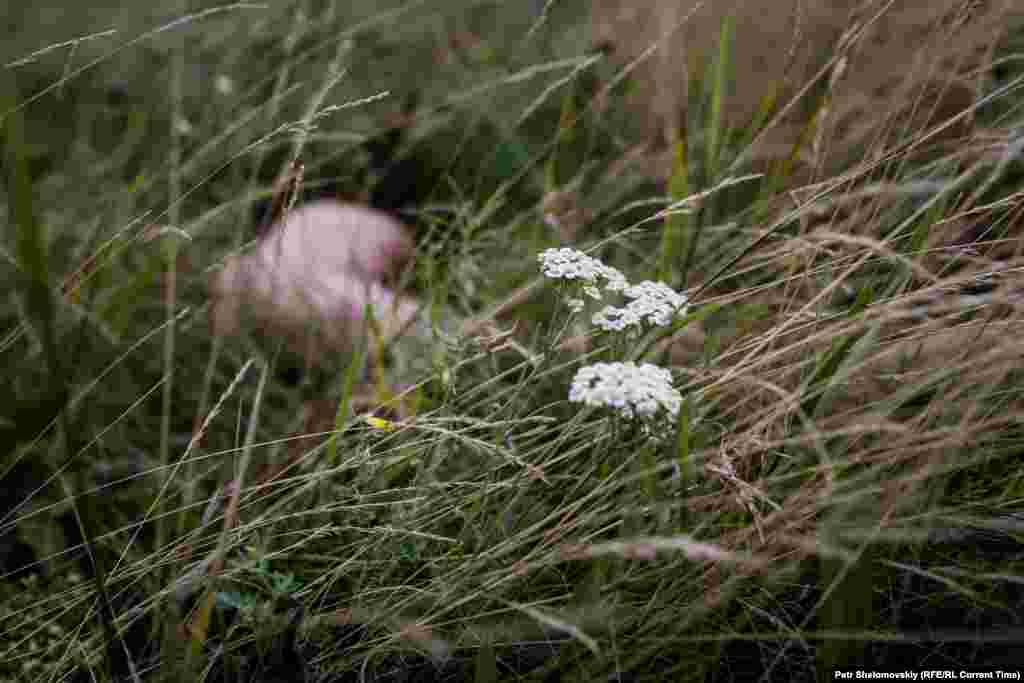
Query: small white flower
182	126
570	264
617	284
223	84
633	390
615	319
652	302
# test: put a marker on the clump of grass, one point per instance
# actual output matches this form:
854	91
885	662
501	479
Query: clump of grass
834	457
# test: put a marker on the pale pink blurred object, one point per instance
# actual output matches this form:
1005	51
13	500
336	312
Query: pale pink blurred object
310	277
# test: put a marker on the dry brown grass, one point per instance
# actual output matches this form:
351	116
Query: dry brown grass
901	82
910	63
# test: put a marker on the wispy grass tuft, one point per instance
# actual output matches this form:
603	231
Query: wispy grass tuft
761	418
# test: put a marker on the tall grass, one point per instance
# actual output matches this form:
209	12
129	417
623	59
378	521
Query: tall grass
843	467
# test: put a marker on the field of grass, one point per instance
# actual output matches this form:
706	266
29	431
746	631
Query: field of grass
823	471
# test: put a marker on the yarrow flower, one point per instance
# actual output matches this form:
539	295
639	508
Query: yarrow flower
634	390
652	302
570	264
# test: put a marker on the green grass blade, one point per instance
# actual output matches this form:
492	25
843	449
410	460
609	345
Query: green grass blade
827	367
847	606
678	225
347	387
719	85
935	212
683	439
765	111
556	172
486	669
713	143
865	297
31	248
859	350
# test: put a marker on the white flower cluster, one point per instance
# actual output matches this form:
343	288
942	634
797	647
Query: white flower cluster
570	264
629	388
652	302
633	390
